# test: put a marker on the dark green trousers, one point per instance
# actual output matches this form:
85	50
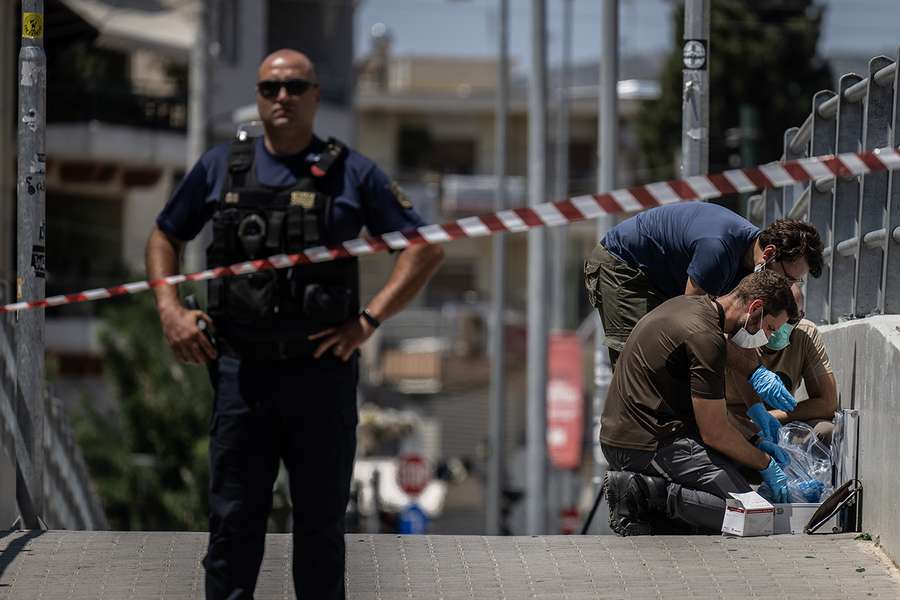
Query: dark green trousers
622	294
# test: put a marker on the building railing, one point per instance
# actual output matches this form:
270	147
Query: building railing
857	217
118	107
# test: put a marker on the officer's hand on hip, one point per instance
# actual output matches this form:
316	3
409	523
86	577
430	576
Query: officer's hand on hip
343	340
187	340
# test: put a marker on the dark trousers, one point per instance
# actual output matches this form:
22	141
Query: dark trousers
302	412
699	478
622	294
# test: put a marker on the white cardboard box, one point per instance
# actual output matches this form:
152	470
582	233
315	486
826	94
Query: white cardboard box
792	518
747	515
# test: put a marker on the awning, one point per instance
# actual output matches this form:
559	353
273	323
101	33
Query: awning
164	26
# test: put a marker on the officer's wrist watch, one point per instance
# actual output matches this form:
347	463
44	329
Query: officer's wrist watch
369	318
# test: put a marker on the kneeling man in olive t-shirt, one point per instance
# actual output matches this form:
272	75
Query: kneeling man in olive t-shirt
665	414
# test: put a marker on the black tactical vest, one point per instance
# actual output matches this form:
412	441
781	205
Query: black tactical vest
271	313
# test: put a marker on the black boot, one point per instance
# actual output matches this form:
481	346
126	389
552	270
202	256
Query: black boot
624	512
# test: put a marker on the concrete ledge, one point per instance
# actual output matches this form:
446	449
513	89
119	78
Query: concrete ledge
865	354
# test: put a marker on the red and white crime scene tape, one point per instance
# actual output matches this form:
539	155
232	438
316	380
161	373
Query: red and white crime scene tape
580	208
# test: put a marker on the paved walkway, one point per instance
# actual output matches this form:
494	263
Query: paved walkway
73	565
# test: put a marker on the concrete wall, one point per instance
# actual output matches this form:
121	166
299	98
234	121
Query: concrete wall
865	355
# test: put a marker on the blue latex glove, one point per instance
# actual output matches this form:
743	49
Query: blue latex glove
769	387
777	480
768	425
811	490
781	456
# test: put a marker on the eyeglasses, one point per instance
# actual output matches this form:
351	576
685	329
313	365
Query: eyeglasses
788	276
294	87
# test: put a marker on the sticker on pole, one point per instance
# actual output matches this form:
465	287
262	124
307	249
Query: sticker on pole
32	25
412	473
693	55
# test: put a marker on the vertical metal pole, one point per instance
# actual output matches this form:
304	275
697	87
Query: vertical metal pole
536	451
198	77
608	142
496	412
31	264
873	204
818	303
7	149
695	93
559	235
845	216
891	272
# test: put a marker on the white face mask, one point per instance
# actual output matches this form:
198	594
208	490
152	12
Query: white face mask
744	339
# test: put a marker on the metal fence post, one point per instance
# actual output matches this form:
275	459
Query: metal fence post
819	213
846	205
779	201
891	266
869	293
31	266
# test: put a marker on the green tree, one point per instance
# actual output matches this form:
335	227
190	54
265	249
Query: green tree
149	458
762	58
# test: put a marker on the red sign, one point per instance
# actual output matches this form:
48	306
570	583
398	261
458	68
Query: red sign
565	402
412	473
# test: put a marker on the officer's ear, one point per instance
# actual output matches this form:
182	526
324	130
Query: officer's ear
770	253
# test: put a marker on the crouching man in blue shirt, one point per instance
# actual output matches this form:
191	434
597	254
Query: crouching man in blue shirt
696	248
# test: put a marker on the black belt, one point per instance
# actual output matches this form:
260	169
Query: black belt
265	350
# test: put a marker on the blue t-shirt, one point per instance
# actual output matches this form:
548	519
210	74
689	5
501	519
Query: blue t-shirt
363	195
669	243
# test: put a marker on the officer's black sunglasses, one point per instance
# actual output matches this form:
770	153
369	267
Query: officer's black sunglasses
294	87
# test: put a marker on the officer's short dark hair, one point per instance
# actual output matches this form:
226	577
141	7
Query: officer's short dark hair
792	240
772	288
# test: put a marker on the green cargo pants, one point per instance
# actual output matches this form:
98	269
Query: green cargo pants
622	294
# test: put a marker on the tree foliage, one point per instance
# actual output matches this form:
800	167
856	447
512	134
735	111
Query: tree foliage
149	459
762	56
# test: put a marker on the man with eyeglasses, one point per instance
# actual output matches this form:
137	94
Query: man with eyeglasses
284	362
694	248
796	353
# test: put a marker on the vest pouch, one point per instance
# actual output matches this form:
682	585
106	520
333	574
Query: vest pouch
251	297
326	305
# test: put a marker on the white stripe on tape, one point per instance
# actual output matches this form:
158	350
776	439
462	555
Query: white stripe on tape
889	157
853	163
777	174
96	294
318	253
588	206
395	240
358	246
702	186
739	181
56	300
663	193
550	215
137	286
281	261
626	200
434	234
473	227
512	221
815	168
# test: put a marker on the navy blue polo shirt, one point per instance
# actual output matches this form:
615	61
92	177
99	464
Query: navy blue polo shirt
363	195
669	243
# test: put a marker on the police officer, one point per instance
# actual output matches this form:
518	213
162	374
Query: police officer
284	363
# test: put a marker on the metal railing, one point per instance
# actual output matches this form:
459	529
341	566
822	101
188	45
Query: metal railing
70	499
857	217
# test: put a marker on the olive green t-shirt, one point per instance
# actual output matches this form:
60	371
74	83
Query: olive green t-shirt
803	358
676	351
